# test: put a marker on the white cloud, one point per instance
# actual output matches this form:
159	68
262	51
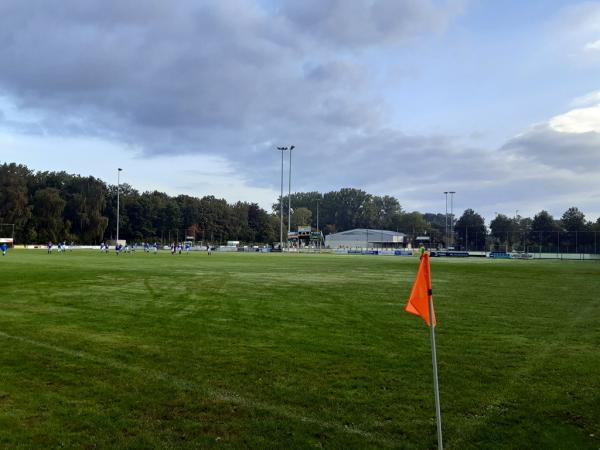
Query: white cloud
590	99
581	120
592	46
569	141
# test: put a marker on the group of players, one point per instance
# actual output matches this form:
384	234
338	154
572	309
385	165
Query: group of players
63	247
175	248
60	247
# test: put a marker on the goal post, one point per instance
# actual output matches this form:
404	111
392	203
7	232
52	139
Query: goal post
7	234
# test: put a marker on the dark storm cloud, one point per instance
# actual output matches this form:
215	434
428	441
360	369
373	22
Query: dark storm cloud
227	77
233	78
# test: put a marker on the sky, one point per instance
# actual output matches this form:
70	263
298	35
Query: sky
498	101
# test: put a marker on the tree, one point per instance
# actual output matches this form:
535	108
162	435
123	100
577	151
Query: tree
579	236
411	224
301	217
543	221
86	200
505	231
471	230
573	220
48	208
543	230
14	201
387	210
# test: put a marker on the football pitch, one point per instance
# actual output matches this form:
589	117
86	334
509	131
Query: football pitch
294	351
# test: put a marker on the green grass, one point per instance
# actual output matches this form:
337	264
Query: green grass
296	351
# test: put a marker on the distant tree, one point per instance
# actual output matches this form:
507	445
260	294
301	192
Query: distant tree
301	217
573	220
411	224
470	229
543	230
437	224
504	231
86	200
387	209
14	198
543	221
48	208
308	200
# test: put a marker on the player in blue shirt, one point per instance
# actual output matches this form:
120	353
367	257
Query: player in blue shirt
3	247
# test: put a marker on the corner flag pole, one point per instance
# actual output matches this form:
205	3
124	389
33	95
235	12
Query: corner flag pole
436	389
420	303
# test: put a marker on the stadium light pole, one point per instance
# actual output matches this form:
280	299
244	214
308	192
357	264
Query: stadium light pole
452	216
290	196
118	192
281	149
446	221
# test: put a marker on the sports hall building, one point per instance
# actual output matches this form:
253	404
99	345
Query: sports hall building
366	238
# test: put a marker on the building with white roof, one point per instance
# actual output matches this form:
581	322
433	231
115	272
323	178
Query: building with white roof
366	238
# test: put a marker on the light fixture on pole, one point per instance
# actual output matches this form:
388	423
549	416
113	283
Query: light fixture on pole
118	192
281	149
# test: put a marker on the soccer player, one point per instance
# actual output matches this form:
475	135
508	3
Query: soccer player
155	248
3	248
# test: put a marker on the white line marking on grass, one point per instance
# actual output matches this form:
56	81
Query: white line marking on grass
223	396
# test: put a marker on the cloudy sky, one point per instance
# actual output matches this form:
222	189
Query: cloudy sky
499	101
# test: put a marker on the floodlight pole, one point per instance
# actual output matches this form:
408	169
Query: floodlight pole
452	216
281	149
318	225
290	197
118	191
446	221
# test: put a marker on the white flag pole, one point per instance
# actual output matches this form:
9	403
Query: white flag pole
436	389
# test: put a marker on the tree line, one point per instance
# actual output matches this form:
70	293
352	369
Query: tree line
55	206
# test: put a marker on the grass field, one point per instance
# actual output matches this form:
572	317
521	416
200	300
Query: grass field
294	351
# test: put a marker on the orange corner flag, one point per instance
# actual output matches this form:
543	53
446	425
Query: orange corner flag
418	303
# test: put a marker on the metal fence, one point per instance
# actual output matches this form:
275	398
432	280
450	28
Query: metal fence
559	242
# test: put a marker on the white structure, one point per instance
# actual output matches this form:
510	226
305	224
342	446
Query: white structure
365	238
